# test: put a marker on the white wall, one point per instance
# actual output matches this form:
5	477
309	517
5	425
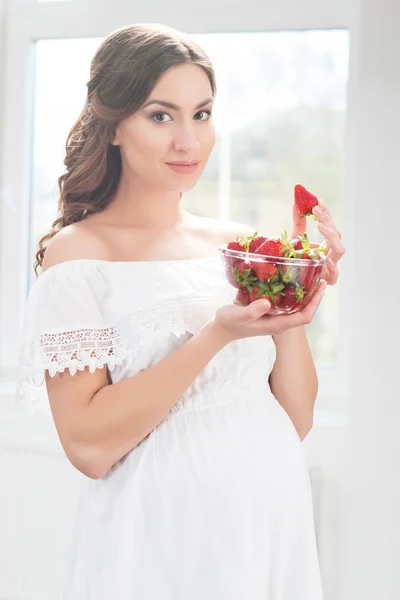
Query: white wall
366	464
371	477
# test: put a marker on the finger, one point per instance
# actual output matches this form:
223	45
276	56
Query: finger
259	308
324	206
324	217
316	244
299	222
331	275
334	244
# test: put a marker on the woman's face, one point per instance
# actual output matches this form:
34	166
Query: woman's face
156	134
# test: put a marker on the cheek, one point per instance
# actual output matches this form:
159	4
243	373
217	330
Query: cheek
144	146
208	138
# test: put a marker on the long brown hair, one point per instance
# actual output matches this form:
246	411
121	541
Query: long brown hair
123	72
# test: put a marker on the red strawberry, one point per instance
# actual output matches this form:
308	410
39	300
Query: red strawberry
242	266
243	297
301	241
272	291
297	245
304	200
294	296
237	245
241	275
271	247
256	293
230	270
264	270
276	246
309	276
307	253
289	273
254	241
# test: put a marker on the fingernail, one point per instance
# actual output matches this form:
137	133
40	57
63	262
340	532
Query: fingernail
264	304
317	210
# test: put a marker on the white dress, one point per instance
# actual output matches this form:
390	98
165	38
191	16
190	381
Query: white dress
215	503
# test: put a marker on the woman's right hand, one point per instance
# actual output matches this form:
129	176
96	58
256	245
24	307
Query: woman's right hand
235	322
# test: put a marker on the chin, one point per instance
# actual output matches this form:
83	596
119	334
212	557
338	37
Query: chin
182	187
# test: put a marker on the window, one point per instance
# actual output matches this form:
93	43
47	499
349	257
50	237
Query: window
279	116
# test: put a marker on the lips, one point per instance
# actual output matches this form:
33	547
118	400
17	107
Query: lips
184	167
184	163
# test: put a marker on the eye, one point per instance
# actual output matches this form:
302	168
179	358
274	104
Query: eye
155	116
158	116
204	112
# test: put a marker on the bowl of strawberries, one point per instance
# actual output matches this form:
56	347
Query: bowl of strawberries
286	271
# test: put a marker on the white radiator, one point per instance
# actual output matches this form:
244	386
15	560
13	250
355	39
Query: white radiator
38	498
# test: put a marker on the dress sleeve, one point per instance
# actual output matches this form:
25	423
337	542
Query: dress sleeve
67	325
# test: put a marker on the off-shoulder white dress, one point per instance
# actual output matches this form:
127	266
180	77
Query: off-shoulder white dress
215	503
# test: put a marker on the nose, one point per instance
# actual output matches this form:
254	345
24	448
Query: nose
186	140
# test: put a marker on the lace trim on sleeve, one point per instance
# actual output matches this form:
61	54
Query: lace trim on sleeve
74	350
94	348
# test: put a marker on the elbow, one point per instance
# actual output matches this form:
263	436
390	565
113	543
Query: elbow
92	471
89	471
87	462
304	430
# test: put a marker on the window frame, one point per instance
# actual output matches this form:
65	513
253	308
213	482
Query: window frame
24	22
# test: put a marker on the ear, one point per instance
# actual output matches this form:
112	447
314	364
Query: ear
115	137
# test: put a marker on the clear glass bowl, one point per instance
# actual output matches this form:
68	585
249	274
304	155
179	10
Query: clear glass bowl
288	283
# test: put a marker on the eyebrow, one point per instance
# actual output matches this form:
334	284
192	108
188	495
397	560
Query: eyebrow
174	106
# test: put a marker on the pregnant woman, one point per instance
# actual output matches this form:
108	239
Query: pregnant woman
184	410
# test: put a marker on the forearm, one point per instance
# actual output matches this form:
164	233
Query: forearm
122	414
293	379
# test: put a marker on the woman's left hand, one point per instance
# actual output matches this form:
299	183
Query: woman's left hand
332	236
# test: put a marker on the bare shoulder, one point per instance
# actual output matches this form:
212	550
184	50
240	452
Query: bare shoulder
224	231
73	242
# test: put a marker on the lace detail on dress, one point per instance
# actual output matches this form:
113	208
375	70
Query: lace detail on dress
111	346
76	349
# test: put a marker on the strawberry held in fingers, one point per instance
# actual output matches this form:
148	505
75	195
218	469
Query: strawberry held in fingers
304	200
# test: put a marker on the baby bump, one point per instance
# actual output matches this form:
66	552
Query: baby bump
241	448
226	472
